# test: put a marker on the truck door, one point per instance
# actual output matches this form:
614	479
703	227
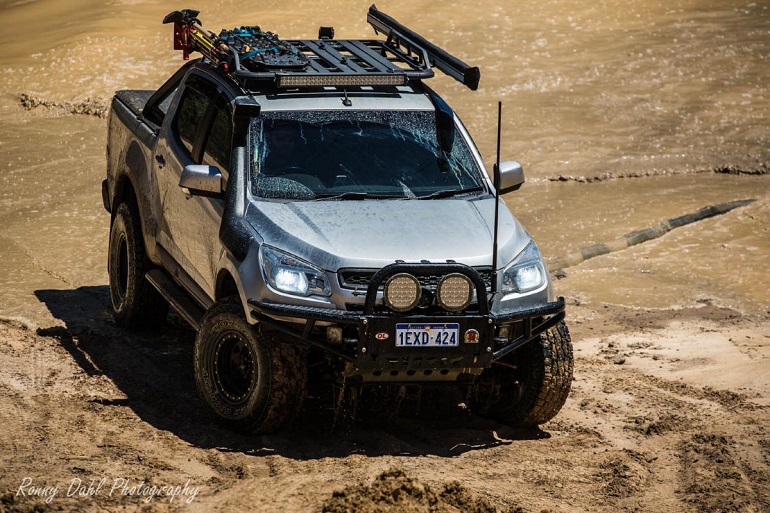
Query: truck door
199	132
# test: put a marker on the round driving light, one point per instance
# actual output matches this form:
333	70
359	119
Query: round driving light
454	292
402	292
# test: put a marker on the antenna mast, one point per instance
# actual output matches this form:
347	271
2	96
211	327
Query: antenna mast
496	179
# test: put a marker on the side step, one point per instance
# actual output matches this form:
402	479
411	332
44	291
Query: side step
190	311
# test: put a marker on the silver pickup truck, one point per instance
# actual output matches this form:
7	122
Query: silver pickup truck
313	202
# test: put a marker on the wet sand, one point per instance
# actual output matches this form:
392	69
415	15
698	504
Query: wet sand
620	113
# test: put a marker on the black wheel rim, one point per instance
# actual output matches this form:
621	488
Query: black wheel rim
235	367
122	267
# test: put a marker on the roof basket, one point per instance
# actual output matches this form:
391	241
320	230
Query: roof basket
253	57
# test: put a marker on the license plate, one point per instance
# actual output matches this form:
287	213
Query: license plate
428	335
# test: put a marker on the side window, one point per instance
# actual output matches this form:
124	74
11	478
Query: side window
218	145
165	103
192	108
157	106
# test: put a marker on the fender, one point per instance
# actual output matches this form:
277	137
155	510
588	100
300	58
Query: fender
229	264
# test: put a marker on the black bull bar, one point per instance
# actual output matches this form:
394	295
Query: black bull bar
374	322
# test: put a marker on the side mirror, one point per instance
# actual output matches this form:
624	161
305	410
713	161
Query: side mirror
201	180
510	176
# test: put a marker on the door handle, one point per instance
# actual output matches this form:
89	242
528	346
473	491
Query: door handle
160	160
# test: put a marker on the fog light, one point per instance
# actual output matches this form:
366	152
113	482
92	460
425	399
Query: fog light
402	292
454	292
334	335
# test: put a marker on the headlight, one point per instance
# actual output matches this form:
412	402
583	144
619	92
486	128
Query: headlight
526	273
288	273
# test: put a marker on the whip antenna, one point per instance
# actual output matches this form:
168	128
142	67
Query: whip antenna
496	180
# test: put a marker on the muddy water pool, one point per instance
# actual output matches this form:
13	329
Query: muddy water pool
658	92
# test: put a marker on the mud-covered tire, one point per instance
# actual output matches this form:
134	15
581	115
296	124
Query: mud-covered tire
135	302
529	387
249	381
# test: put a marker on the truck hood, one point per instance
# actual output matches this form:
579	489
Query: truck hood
374	233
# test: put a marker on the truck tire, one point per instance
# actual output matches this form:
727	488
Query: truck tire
529	387
249	381
135	302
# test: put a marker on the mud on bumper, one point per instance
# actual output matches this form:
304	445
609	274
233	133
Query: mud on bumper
369	348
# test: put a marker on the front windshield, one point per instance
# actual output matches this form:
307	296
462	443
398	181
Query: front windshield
358	155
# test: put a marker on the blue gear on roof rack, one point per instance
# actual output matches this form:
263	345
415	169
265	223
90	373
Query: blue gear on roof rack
259	50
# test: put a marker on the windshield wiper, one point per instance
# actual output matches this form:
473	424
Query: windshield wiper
447	193
354	195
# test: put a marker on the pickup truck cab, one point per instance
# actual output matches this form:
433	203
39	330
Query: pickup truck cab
299	215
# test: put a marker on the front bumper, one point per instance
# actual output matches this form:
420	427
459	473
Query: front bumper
370	351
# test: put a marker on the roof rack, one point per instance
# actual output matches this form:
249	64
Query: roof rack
253	57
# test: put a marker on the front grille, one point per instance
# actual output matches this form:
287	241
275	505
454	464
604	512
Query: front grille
359	278
433	310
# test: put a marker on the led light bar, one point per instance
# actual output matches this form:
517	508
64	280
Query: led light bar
370	79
